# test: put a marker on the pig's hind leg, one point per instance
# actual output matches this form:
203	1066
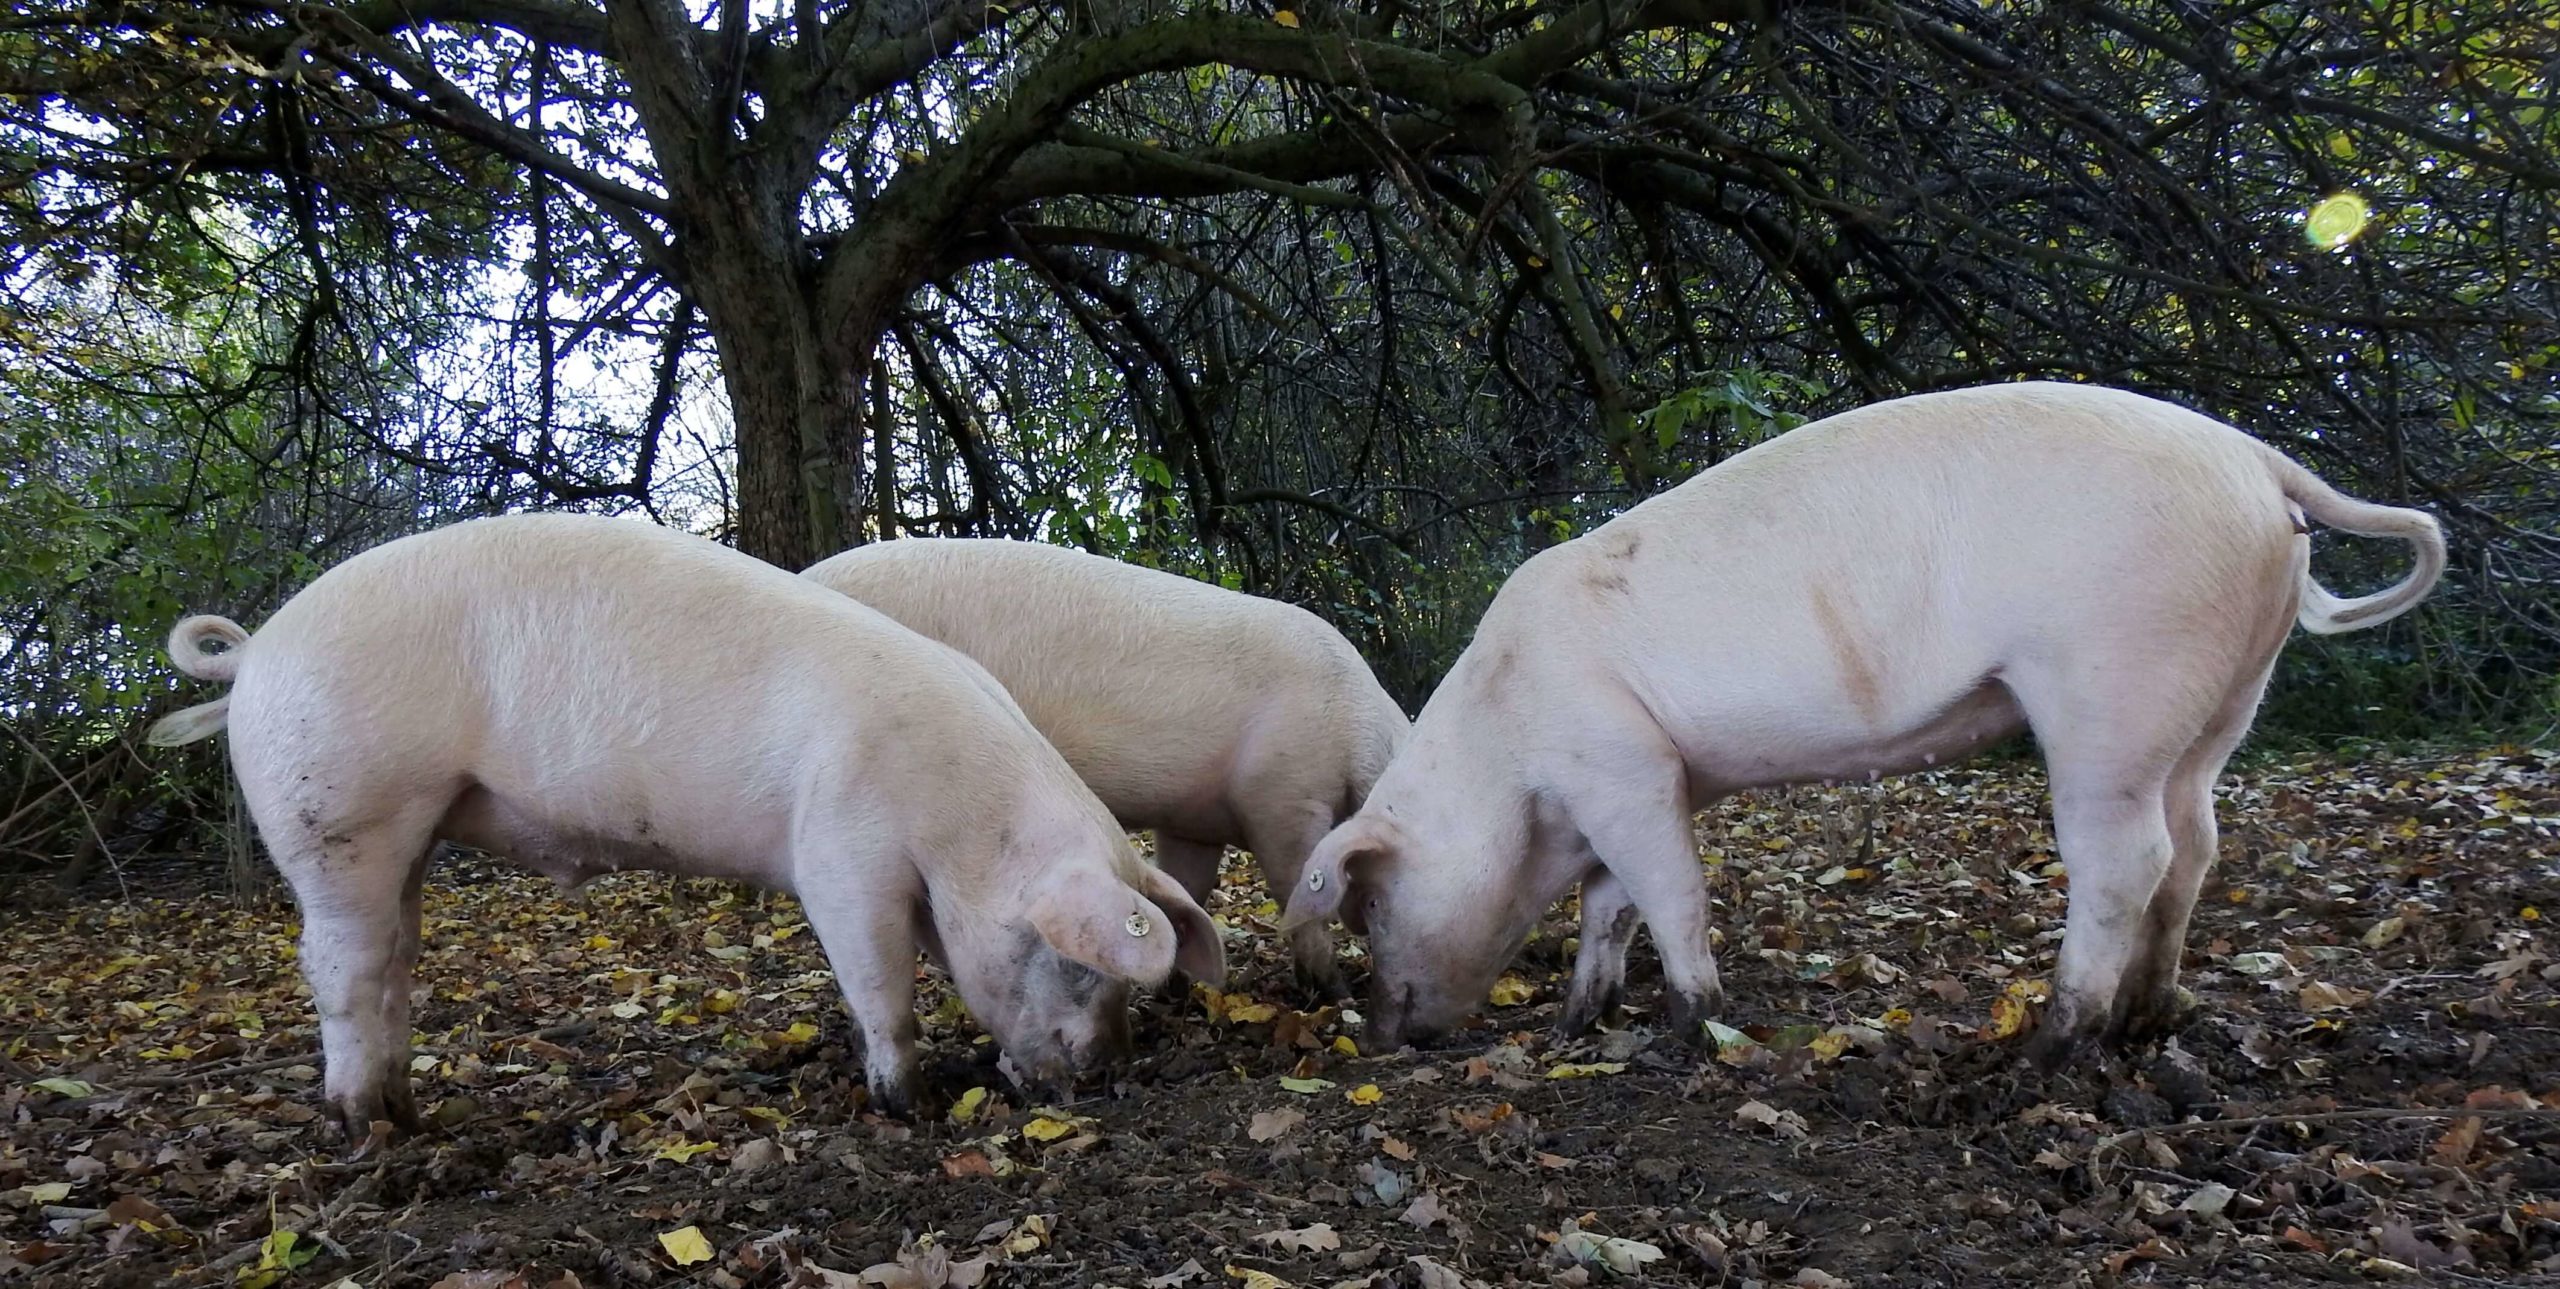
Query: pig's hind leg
2149	1000
358	888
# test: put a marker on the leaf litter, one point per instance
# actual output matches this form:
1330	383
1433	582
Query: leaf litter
652	1082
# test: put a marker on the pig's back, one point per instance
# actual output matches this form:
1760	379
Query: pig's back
1883	561
1143	679
578	659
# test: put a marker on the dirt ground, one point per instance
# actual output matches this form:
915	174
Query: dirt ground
652	1083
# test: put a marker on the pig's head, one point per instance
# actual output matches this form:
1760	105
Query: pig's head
1050	977
1442	891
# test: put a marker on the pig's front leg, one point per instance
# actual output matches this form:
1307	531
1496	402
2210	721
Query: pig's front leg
870	938
1637	824
1600	966
1282	839
1193	864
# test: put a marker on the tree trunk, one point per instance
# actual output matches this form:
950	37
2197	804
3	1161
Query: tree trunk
797	401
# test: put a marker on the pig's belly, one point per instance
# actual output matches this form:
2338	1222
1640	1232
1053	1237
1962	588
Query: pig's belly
1769	749
572	848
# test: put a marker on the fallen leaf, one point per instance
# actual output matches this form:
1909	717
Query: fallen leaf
1044	1128
1365	1094
2385	931
66	1087
686	1245
968	1106
1319	1238
2208	1200
683	1151
1189	1271
2458	1144
1786	1123
2321	996
1626	1257
1304	1087
1258	1279
1397	1148
1271	1125
1588	1071
1425	1210
1511	991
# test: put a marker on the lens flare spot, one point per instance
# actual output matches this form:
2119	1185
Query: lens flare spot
2334	221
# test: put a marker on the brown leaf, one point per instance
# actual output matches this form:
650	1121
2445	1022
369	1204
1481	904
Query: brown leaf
1319	1238
967	1163
2458	1144
1271	1125
1397	1147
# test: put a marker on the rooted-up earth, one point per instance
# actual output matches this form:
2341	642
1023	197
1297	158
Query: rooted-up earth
651	1082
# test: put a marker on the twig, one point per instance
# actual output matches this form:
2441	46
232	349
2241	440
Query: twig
570	1030
86	816
2333	1116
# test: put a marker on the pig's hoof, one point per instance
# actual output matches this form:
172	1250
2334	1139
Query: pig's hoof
895	1100
400	1106
1688	1013
2064	1034
1322	984
1587	1009
2160	1012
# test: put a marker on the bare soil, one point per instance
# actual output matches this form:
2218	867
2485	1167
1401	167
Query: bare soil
2365	1090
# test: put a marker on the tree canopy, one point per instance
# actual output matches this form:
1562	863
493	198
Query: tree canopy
1354	304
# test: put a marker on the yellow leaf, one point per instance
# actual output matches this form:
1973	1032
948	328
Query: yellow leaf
1029	1237
1286	18
1511	991
2008	1018
1829	1046
1365	1094
801	1031
967	1107
1045	1128
721	1002
1304	1087
1896	1018
599	942
1589	1071
1342	1042
2530	914
686	1246
49	1192
1250	1013
681	1151
1257	1279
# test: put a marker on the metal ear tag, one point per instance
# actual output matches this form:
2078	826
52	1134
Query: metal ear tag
1315	880
1138	925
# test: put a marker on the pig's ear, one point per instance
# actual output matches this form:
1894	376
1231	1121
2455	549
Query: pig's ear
1108	926
1199	953
1360	843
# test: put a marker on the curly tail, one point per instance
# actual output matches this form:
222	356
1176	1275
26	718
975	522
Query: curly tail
2325	614
187	650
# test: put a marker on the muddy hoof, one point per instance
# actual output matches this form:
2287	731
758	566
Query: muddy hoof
1687	1014
1584	1012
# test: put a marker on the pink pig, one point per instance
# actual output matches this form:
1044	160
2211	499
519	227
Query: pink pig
1213	717
1890	588
588	694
